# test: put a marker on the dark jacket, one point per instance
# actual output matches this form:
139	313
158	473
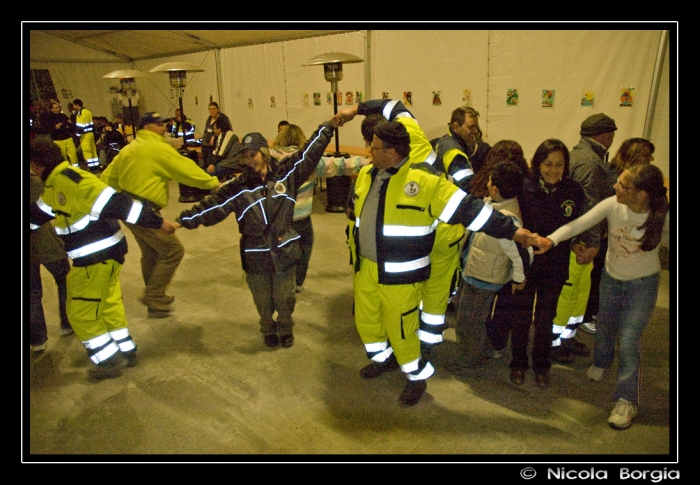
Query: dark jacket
264	208
544	211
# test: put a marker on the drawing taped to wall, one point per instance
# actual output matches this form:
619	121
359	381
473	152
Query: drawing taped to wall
349	98
437	100
627	96
272	102
407	98
512	97
358	97
385	95
317	99
467	97
587	97
329	97
548	98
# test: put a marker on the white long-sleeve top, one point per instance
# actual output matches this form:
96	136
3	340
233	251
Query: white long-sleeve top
624	260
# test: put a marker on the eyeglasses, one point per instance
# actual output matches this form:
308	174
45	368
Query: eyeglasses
623	187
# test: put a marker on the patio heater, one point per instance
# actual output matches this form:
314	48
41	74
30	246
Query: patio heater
126	79
339	186
178	80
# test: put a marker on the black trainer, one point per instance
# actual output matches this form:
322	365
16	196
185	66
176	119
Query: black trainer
375	370
576	347
132	359
561	354
286	341
107	369
272	340
412	392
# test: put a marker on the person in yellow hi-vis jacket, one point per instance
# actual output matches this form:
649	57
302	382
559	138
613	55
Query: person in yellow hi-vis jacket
397	208
444	258
84	130
86	214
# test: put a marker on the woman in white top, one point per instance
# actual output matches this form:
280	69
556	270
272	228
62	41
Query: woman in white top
629	285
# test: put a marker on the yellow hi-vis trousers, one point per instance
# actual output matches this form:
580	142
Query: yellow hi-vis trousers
573	299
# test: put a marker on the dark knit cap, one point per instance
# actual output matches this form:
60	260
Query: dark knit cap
392	133
597	124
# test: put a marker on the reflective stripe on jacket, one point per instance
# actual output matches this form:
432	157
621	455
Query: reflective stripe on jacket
86	213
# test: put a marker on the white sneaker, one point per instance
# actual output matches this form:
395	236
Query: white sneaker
500	354
39	348
622	414
595	373
590	327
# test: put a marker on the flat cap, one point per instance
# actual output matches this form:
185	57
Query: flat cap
597	124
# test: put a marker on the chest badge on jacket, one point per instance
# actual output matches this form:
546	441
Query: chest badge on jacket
280	188
61	198
568	206
411	189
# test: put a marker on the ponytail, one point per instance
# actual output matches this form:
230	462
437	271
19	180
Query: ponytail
649	178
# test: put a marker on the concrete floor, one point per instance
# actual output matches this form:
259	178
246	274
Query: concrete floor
206	386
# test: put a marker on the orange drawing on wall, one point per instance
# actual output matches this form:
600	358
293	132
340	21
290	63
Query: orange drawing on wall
627	97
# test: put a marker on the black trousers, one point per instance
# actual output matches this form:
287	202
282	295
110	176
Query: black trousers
535	305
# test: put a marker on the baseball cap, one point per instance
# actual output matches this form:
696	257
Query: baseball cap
254	141
150	117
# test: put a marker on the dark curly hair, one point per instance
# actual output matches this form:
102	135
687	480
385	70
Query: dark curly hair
500	152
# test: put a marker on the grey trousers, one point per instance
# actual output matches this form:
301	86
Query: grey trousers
274	292
474	308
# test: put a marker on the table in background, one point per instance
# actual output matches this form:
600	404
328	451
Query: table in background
338	172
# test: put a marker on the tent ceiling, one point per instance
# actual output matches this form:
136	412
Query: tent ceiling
136	45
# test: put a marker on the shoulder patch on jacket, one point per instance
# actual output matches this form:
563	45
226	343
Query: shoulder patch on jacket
72	174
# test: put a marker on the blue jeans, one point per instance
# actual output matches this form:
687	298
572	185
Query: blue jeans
625	309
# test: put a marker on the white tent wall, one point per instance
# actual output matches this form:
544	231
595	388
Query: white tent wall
156	94
259	72
487	62
568	62
422	62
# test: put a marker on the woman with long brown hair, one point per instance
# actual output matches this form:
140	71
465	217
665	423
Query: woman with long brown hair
636	216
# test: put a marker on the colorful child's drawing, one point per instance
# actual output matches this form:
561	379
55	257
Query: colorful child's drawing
437	101
627	97
512	97
587	97
407	98
548	98
317	99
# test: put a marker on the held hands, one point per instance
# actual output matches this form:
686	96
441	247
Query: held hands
344	116
584	254
525	238
543	244
169	227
